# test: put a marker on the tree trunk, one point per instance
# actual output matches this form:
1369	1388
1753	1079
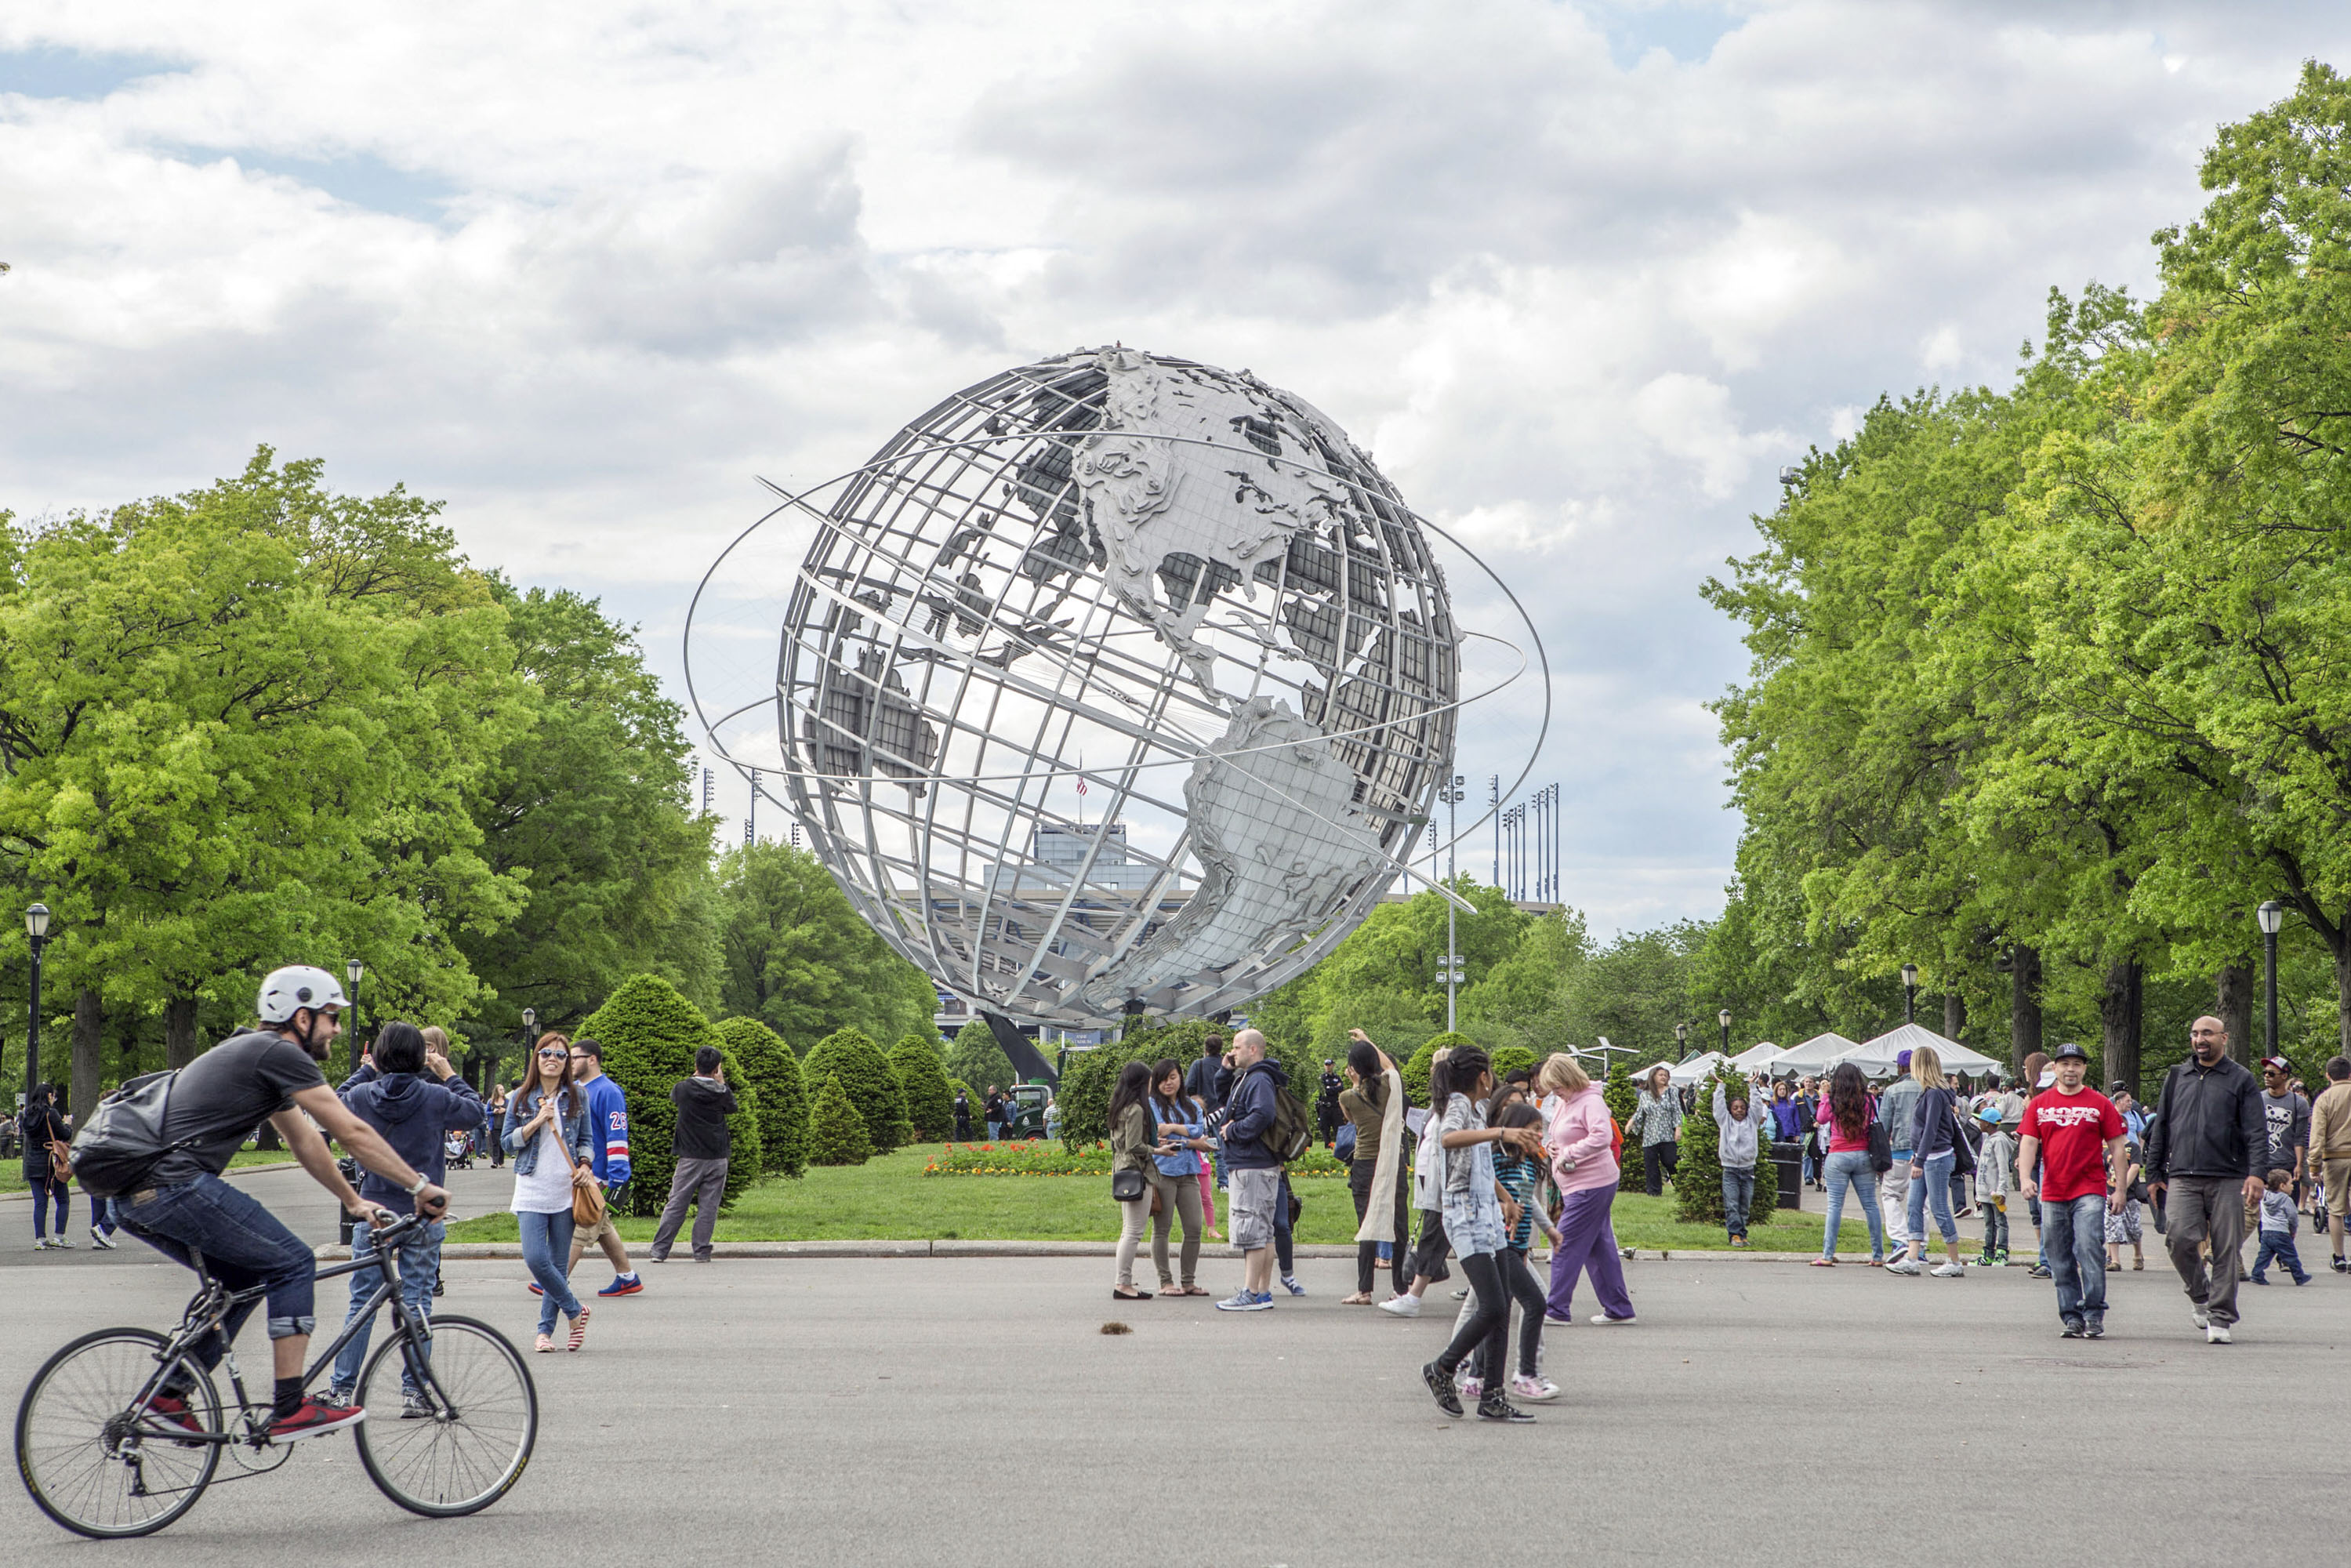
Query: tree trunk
88	1044
2234	1003
2023	1006
179	1032
1955	1014
2122	1011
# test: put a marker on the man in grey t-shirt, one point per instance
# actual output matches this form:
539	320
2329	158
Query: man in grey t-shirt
2285	1123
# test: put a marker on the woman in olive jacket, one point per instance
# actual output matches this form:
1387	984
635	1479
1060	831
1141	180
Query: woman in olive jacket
1133	1141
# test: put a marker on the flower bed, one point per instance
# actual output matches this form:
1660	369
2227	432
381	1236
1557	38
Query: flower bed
1038	1157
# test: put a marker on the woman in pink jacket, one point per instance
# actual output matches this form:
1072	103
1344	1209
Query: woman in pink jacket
1583	1166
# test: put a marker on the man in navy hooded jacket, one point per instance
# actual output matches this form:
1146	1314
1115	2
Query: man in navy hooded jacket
416	1099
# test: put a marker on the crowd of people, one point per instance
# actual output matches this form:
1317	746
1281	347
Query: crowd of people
1490	1164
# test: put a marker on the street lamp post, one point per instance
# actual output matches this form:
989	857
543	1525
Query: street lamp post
2271	916
1723	1018
36	926
1681	1040
1452	794
1909	993
530	1039
353	972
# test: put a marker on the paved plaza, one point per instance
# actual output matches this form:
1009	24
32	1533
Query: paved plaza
855	1411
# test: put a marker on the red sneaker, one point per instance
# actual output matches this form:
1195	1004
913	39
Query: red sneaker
172	1411
312	1417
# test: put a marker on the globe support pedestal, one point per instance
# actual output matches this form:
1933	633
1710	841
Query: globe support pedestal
1021	1050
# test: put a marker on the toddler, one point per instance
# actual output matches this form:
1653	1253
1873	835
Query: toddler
1993	1168
2279	1222
2125	1225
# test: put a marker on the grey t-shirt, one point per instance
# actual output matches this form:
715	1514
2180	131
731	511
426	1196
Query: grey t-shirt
2286	1119
220	1096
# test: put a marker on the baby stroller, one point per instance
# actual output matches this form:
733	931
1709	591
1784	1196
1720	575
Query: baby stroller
459	1147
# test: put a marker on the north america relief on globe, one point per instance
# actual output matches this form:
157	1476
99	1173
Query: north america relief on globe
1116	682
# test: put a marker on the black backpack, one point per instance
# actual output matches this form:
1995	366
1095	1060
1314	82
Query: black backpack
123	1139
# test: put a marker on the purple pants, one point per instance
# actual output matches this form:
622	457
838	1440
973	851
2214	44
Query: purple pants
1588	1241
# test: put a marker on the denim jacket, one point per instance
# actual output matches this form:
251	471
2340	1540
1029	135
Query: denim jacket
577	1130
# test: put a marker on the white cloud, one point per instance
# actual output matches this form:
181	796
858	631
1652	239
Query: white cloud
1574	272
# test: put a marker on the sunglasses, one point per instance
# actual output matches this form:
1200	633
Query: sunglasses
556	1055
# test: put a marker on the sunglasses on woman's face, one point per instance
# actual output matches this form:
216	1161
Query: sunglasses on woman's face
554	1056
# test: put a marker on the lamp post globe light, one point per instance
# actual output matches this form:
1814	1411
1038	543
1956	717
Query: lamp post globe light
2271	916
1681	1040
1723	1018
1909	993
37	927
353	972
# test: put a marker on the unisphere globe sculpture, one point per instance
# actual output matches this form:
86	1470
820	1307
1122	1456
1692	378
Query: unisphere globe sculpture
1116	682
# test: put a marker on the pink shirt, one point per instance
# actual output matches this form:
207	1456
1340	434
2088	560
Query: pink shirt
1838	1143
1578	1129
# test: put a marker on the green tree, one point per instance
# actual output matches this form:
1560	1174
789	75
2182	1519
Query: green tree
650	1034
977	1059
837	1136
771	1069
851	1055
930	1104
589	807
797	957
1620	1094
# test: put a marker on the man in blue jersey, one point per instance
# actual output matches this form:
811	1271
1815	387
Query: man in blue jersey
608	1112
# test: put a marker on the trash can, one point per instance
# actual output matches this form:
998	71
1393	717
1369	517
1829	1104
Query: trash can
1789	1159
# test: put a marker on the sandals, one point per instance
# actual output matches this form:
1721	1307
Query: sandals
1128	1295
1360	1299
1824	1262
546	1342
580	1328
1187	1291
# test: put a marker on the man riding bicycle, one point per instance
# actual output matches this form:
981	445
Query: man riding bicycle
183	1207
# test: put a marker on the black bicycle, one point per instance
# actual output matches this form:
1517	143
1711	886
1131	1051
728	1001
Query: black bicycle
100	1459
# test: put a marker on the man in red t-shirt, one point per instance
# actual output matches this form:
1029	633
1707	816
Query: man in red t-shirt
2070	1159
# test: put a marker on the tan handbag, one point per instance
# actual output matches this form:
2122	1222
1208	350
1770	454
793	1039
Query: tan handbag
60	1162
586	1202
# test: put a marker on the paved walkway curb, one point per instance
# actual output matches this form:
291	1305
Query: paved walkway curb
233	1170
955	1248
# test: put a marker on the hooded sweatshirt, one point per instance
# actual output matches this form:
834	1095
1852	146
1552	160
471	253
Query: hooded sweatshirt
703	1106
413	1113
1250	1107
1739	1138
1579	1131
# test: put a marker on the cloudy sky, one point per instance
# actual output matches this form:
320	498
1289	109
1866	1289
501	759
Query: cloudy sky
1581	275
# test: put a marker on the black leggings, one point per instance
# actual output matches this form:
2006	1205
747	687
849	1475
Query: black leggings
1657	1163
1367	1253
1494	1278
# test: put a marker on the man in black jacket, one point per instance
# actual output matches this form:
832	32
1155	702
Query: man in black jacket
703	1144
2204	1153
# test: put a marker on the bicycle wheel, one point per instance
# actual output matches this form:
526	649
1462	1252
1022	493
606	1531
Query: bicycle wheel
466	1454
86	1463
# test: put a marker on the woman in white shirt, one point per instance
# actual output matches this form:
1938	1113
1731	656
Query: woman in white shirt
550	1139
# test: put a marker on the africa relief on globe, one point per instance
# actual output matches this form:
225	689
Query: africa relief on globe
1116	682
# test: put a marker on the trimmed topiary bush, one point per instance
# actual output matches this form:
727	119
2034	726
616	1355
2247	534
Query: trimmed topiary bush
1415	1070
930	1104
650	1034
1084	1093
771	1069
836	1135
978	1060
1623	1097
851	1055
1509	1059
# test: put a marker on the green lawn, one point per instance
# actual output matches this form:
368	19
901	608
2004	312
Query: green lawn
890	1199
12	1172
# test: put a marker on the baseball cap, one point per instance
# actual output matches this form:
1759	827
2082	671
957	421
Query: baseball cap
2071	1052
2280	1062
1989	1115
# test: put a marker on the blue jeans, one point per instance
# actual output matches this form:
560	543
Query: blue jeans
2278	1246
242	1244
418	1260
2073	1241
1848	1170
547	1250
1738	1198
44	1188
1935	1186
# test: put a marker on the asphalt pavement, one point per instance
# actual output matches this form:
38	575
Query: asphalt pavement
860	1411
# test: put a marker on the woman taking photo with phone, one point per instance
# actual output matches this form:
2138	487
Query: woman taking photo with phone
1375	1088
552	1145
1183	1127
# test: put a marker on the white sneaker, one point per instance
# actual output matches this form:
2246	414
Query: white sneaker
1949	1270
40	1244
100	1238
1902	1266
2204	1319
1534	1390
1405	1306
1605	1318
2216	1333
1469	1387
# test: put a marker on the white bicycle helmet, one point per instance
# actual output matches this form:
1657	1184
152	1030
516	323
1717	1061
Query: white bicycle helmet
298	986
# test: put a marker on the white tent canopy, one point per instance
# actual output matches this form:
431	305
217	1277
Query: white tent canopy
1757	1055
1815	1055
1878	1057
1695	1069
